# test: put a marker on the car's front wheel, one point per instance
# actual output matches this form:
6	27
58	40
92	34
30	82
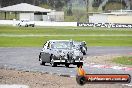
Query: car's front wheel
67	65
26	25
33	25
53	64
41	62
84	53
79	64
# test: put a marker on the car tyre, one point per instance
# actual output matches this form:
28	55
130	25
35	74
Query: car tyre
26	25
67	65
84	53
33	25
79	64
41	62
53	64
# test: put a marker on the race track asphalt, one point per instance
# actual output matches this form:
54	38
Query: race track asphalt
26	59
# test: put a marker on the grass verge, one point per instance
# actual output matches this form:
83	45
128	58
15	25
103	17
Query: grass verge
125	60
62	30
91	40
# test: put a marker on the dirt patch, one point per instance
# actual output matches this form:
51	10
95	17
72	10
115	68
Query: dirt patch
105	59
40	80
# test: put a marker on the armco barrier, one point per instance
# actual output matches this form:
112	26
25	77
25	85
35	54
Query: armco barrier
108	25
39	23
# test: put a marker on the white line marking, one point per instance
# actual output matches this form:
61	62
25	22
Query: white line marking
127	85
13	86
116	67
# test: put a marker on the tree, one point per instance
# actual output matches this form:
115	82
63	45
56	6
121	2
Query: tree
87	2
13	2
131	4
1	3
69	9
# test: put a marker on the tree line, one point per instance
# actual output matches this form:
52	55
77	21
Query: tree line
5	3
52	3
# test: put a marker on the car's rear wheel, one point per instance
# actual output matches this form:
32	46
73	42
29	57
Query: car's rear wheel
53	64
67	65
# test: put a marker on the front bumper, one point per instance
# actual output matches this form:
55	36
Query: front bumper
68	61
73	60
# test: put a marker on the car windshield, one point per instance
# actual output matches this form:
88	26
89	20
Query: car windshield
61	45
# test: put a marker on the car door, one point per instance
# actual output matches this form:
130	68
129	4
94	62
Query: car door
46	52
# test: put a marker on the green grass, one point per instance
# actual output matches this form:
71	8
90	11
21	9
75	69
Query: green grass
125	60
33	41
39	41
62	30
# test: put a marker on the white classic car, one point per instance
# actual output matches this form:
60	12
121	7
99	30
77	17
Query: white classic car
58	52
26	23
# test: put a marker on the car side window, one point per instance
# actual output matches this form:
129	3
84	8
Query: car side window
45	44
48	45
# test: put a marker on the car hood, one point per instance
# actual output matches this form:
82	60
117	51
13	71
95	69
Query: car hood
63	51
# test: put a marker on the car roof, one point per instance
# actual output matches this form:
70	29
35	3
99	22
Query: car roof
76	42
59	40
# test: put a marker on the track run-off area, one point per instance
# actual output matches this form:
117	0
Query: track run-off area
26	59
